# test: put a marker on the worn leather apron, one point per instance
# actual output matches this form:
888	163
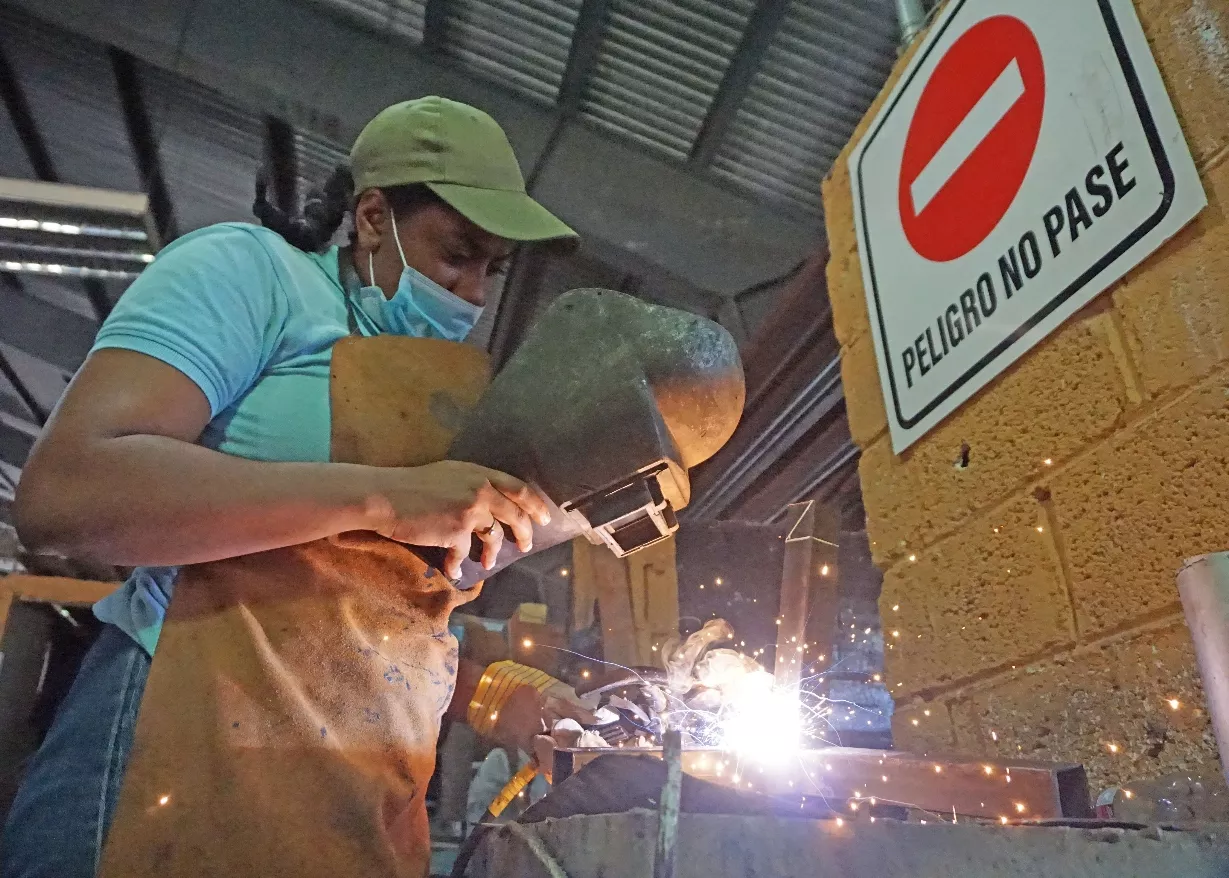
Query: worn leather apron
289	724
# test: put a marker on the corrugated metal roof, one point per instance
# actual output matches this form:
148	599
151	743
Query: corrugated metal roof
826	64
211	150
522	44
72	96
13	161
659	67
402	17
316	158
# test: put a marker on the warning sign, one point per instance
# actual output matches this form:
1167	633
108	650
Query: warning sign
1027	158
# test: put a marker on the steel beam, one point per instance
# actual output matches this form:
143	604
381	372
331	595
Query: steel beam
825	454
22	390
788	411
295	59
52	334
18	106
587	36
148	157
15	445
761	28
435	26
582	56
849	779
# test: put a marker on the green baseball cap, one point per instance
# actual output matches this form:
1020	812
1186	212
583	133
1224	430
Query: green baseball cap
463	156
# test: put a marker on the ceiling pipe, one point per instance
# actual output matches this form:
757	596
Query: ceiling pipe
912	17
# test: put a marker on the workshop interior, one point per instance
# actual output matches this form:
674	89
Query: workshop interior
876	397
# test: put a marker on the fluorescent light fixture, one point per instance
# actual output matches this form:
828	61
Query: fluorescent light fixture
50	228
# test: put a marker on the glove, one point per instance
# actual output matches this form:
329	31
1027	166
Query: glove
512	703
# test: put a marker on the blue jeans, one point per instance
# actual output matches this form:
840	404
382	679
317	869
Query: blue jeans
62	812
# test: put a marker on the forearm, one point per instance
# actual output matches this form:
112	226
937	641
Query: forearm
152	500
468	675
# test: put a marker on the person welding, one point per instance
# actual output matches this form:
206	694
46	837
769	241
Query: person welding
310	665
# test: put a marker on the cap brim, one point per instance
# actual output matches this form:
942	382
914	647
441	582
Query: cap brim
511	215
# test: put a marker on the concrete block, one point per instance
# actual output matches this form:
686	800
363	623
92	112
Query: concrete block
724	846
1174	310
1052	403
849	314
1132	511
846	295
1190	39
986	596
1106	707
864	404
923	728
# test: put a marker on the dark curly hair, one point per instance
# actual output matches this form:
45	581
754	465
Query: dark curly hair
325	208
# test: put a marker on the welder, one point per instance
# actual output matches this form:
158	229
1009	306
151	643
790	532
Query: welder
197	444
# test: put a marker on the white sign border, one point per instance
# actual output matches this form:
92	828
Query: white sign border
902	427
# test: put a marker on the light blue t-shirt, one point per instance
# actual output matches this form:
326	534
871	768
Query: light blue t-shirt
252	321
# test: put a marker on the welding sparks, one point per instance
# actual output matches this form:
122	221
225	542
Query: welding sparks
1174	704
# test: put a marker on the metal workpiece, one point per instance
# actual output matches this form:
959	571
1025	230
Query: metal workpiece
604	407
728	846
1203	583
809	588
847	781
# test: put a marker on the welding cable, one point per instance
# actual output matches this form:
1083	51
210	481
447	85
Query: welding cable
511	790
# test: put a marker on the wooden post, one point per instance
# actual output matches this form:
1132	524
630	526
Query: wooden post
637	596
808	589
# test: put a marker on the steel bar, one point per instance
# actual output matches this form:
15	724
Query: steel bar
1203	583
849	779
668	807
808	589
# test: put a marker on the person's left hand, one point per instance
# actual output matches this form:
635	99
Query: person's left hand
528	713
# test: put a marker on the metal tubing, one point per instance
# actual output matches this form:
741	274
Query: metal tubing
912	18
1203	583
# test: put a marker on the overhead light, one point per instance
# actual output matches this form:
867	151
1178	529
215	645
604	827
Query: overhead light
51	228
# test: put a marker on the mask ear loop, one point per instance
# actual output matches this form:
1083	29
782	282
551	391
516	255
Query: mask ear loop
371	268
404	262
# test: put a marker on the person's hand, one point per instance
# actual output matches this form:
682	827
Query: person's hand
446	503
528	713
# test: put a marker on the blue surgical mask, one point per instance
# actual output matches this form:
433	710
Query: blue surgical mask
420	308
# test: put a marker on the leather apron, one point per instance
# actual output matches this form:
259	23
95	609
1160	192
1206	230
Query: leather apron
290	719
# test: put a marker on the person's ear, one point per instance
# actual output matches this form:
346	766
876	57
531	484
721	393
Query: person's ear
370	220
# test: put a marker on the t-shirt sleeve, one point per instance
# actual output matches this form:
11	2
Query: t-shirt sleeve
208	306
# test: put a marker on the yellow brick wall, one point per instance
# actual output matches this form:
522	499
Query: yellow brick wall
1029	603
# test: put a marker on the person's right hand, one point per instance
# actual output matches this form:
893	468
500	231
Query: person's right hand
446	503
